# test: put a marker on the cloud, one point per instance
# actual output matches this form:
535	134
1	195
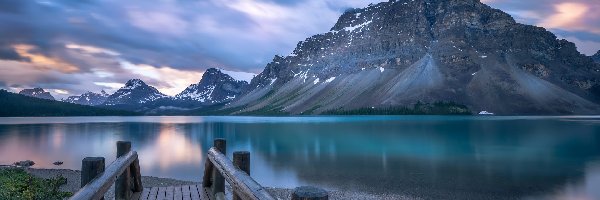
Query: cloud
43	62
569	16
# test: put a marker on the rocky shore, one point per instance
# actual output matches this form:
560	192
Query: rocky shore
74	180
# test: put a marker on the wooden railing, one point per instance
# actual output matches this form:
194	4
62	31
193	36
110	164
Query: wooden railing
220	169
124	172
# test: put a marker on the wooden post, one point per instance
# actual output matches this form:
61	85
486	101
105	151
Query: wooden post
309	193
241	159
218	182
123	183
137	176
91	167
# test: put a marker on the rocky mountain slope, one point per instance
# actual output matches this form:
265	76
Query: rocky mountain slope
401	52
214	87
596	57
37	93
88	98
135	95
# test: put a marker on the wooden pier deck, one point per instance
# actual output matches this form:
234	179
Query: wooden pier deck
125	174
185	192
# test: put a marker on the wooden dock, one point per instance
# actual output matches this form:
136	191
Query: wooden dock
125	174
185	192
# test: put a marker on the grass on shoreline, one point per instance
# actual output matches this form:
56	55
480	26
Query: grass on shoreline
16	184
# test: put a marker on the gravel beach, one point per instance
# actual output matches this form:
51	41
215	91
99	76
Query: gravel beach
74	181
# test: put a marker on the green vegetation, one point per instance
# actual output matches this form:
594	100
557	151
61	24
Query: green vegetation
18	184
438	108
16	105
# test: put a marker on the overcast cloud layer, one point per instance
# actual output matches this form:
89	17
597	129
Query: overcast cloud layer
69	47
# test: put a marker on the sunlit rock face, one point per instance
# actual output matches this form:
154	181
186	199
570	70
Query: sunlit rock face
214	87
88	98
37	93
401	52
135	95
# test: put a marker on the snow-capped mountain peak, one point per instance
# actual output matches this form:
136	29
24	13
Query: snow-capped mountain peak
214	87
88	98
134	92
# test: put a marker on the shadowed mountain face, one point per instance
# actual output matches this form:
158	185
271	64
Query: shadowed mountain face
214	87
596	57
37	93
398	53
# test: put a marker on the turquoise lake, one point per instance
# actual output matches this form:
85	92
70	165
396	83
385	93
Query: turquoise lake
432	157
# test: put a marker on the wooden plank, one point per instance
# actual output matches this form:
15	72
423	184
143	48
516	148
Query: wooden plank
169	193
177	193
153	193
101	184
185	191
162	191
145	194
246	187
194	192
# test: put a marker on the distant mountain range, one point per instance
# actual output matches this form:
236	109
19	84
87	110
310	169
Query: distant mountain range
396	57
17	105
89	98
37	93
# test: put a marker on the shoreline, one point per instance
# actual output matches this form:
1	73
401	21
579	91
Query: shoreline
74	180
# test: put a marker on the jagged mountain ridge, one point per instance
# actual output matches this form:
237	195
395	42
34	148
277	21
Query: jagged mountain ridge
88	98
37	93
596	57
400	52
214	87
135	95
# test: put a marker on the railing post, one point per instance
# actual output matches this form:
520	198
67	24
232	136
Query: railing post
137	175
241	159
91	167
309	193
123	183
219	181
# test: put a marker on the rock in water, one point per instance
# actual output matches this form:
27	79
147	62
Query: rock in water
25	163
401	52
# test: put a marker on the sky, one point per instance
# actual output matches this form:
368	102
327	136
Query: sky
69	47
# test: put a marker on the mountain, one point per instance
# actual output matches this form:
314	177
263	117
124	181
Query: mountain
596	57
37	93
17	105
88	98
135	95
404	52
214	87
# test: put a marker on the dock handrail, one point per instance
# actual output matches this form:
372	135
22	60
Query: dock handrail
124	172
218	169
244	187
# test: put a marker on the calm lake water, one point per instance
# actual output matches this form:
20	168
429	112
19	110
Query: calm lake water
435	157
